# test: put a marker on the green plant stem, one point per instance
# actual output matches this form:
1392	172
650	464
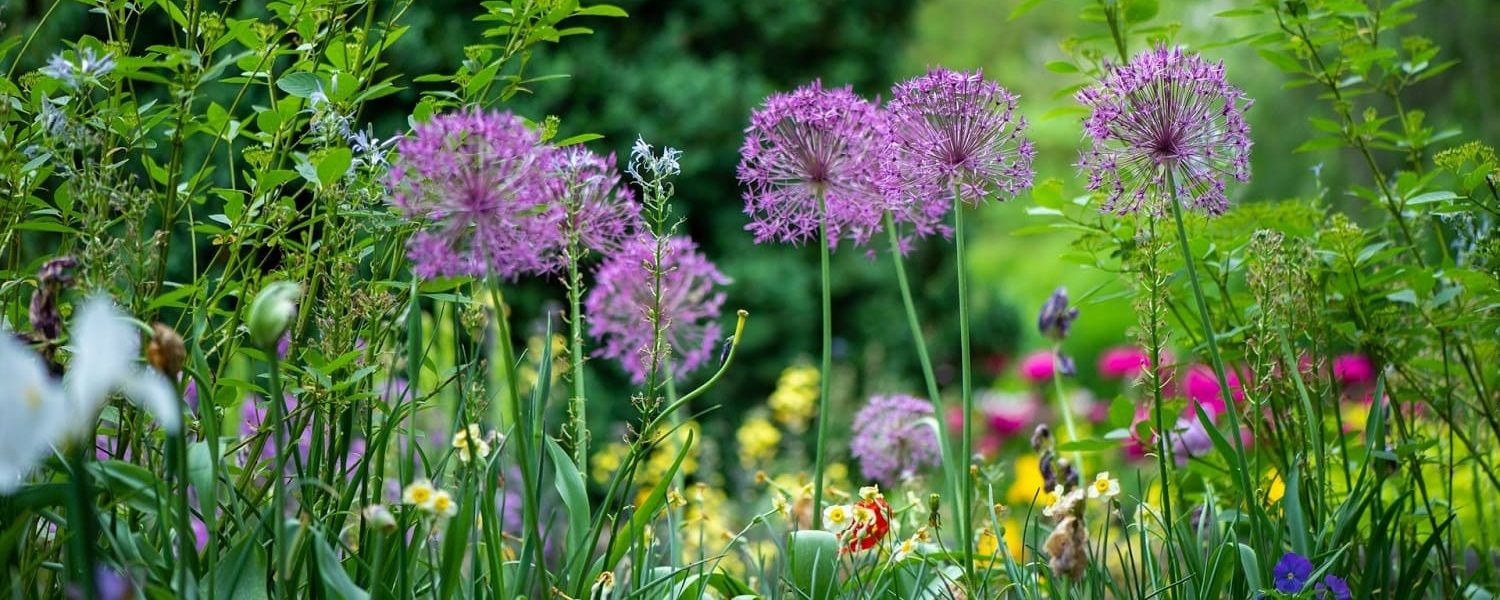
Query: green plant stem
278	477
945	440
966	533
81	520
827	365
575	355
518	424
1247	490
1164	456
1062	407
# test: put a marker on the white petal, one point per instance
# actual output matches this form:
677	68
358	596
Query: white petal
105	347
34	410
149	390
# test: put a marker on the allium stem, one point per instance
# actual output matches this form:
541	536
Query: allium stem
519	426
966	532
1067	411
945	443
821	443
1238	460
81	520
575	354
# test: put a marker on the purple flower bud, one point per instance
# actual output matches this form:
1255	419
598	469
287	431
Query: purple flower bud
1056	317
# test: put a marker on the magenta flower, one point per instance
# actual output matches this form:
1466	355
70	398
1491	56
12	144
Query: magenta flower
1165	114
810	141
1353	369
479	184
953	131
1038	366
599	213
890	439
622	296
1007	414
1202	388
1123	362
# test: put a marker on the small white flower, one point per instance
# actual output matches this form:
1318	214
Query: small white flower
34	410
838	517
1104	487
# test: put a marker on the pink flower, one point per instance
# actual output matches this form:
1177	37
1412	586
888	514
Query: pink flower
1123	362
1353	369
1007	414
1037	367
1202	388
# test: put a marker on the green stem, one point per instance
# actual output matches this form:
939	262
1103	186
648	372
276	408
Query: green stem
278	477
1247	490
966	533
575	326
523	442
1062	407
81	520
827	368
945	440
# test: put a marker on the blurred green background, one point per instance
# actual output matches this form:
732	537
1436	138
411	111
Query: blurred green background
686	74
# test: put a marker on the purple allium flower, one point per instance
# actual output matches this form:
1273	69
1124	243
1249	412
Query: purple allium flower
479	182
1332	587
953	130
891	441
1291	573
619	303
1165	114
600	212
1056	317
809	141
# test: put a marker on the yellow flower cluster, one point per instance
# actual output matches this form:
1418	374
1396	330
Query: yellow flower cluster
796	396
759	439
611	456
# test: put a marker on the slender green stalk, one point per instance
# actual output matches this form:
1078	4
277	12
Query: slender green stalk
529	478
827	365
966	533
1164	457
575	365
1062	407
1247	489
81	520
278	478
945	440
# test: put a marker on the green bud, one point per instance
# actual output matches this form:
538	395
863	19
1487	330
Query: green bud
271	313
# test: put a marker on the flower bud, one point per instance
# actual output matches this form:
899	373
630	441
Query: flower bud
1056	317
166	351
271	313
379	517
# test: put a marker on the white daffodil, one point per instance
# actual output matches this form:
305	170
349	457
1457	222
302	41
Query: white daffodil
41	413
1104	487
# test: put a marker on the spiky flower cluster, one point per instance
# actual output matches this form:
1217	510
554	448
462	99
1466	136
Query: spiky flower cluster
1165	118
620	304
480	183
953	132
890	440
809	143
599	213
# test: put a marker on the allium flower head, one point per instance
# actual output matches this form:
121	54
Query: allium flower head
1165	114
618	304
599	213
953	129
809	141
891	441
479	183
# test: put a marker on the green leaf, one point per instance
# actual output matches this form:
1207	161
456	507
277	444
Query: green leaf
1061	66
814	557
336	580
646	512
301	84
1251	566
334	164
1403	296
1140	11
579	139
242	571
1021	9
1087	445
575	497
1431	197
601	10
